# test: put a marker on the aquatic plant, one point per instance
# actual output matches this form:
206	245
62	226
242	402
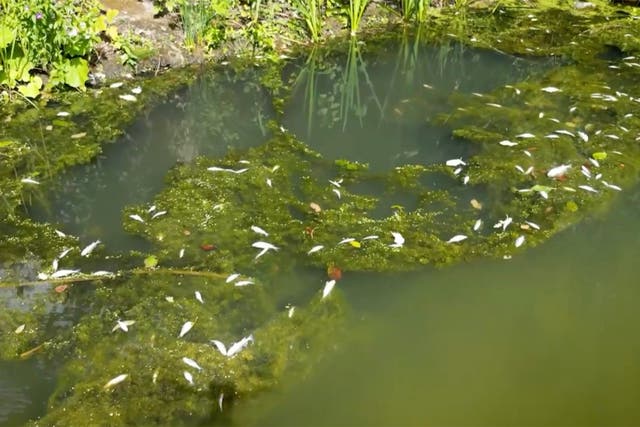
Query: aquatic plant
311	11
414	10
354	13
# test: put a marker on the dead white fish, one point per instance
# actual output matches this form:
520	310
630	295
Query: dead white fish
62	114
315	249
87	250
527	153
336	183
241	283
244	162
154	378
503	223
192	363
335	190
616	137
291	311
564	132
127	97
157	214
265	246
540	115
551	89
63	273
507	143
611	186
346	240
525	135
185	328
199	297
116	85
136	90
457	238
529	170
373	236
64	253
181	253
259	230
269	183
20	329
398	240
493	104
465	180
232	277
220	400
29	181
218	169
275	168
477	225
54	264
60	233
328	287
586	172
188	377
169	299
136	217
558	171
588	188
151	209
101	273
519	241
123	325
455	162
457	171
583	136
533	225
235	348
552	136
115	381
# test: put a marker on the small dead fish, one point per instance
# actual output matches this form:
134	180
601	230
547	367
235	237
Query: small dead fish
220	399
137	90
315	249
116	85
154	378
192	363
290	312
611	186
199	297
157	214
235	348
455	162
188	377
137	217
519	241
525	135
336	183
335	190
533	225
477	225
115	381
62	114
588	188
346	240
123	325
181	253
398	240
232	277
101	273
583	136
29	181
63	273
551	89
127	97
558	171
218	169
328	287
527	153
457	238
269	183
507	143
259	230
465	180
373	236
185	328
87	250
20	329
241	283
493	104
60	233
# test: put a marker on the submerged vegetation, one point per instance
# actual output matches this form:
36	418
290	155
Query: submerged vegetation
147	336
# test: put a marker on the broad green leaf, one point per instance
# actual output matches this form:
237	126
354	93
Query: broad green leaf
7	36
31	89
76	72
600	155
150	261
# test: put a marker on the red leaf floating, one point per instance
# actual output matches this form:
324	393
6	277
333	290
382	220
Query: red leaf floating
207	247
334	272
60	288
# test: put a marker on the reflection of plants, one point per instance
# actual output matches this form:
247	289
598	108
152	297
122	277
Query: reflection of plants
351	100
355	12
311	12
414	10
309	75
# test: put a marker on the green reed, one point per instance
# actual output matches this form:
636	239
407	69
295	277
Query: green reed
355	11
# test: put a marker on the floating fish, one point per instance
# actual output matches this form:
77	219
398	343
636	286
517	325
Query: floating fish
503	223
290	312
275	168
63	273
235	348
336	183
519	241
373	236
123	325
188	377
594	162
181	253
136	90
583	136
62	114
558	171
220	399
457	238
87	251
565	132
60	233
455	162
199	297
315	249
477	225
185	328
398	240
19	329
115	381
259	230
335	190
265	247
137	217
101	273
29	181
115	85
611	186
552	136
269	183
525	135
157	214
241	283
588	188
217	169
533	225
328	287
527	153
507	143
346	240
551	89
192	363
493	104
127	97
457	171
232	277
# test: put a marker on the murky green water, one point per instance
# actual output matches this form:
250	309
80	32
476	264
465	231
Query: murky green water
545	338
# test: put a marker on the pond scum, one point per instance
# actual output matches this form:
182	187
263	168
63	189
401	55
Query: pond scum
549	151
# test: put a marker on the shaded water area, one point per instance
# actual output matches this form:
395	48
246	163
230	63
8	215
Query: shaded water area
529	321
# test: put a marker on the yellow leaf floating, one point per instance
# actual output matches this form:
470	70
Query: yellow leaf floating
355	243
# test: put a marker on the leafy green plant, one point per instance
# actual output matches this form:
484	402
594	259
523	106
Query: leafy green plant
355	12
311	11
415	10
